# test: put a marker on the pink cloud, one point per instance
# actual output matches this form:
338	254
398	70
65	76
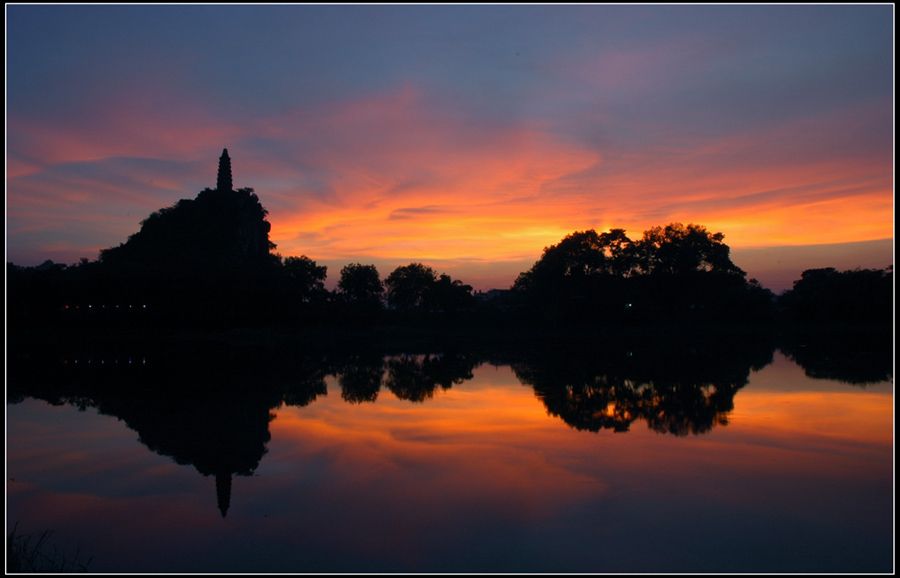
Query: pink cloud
397	177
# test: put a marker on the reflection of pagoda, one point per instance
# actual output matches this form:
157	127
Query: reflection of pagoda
223	491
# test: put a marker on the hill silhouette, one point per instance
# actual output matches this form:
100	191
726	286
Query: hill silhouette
222	232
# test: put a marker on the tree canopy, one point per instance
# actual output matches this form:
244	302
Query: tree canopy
417	286
361	284
306	279
675	268
407	285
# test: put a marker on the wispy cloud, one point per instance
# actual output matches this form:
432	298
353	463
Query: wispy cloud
457	135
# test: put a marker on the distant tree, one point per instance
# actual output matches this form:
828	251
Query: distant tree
306	279
361	284
829	295
449	295
408	285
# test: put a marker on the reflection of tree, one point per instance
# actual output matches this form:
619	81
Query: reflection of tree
304	380
360	377
591	404
679	389
415	378
857	358
685	408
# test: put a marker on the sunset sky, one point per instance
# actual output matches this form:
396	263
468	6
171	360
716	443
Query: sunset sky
467	138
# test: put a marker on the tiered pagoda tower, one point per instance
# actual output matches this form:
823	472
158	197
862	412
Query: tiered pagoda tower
223	182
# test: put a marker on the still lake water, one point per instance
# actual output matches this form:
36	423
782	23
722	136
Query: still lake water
632	462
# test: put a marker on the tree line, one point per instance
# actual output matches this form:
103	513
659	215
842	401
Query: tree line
676	272
209	260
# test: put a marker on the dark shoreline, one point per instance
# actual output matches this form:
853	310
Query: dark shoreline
430	335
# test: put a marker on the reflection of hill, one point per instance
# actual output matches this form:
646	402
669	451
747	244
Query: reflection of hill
219	233
678	388
206	408
221	435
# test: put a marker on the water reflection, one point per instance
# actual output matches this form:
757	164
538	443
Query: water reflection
360	377
210	406
856	359
679	388
198	407
399	462
417	377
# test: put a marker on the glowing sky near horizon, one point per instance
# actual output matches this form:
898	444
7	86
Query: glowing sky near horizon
465	137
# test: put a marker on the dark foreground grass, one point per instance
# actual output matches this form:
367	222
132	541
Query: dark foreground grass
33	553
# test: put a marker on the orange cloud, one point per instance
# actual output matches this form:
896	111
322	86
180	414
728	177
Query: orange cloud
399	176
415	187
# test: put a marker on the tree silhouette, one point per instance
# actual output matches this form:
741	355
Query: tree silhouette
829	295
361	285
673	270
408	285
306	279
449	295
678	249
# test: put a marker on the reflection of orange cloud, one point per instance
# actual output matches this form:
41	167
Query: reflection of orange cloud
854	418
467	445
491	446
